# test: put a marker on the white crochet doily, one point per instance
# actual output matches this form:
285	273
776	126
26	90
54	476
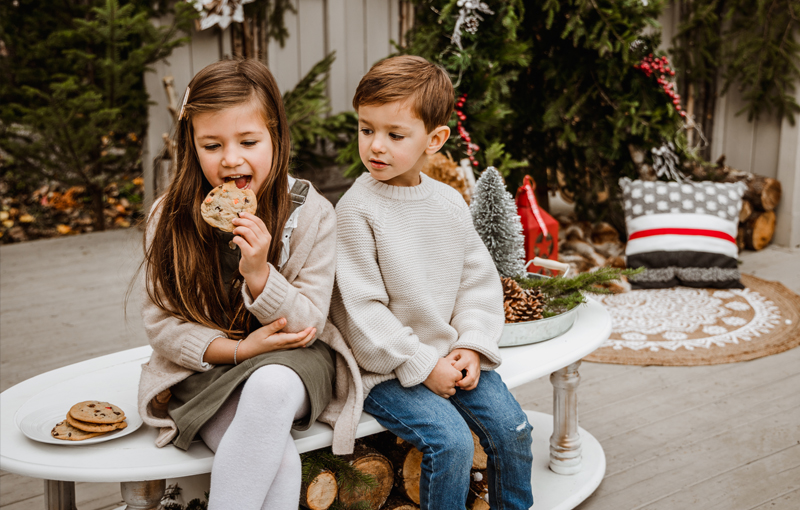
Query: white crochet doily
689	318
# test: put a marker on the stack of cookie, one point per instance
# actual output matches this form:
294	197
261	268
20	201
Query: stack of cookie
89	419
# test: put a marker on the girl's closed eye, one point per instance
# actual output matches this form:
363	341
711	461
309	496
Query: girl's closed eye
211	146
250	143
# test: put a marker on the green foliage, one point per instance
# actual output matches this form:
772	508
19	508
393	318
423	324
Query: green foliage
754	45
581	103
552	90
563	294
307	107
485	69
80	118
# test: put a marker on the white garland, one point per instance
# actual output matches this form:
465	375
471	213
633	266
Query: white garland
469	18
219	12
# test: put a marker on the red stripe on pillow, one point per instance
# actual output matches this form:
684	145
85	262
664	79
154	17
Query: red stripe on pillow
682	232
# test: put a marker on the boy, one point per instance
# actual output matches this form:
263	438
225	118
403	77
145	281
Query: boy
418	298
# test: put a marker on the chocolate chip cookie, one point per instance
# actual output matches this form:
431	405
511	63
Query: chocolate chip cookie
224	203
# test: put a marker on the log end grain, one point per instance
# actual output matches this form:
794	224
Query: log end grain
321	492
379	467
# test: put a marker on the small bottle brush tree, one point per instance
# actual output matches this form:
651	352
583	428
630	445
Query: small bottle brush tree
494	214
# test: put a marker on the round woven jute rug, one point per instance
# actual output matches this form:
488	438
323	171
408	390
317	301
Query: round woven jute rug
685	326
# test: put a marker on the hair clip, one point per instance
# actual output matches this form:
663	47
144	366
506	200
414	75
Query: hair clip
183	106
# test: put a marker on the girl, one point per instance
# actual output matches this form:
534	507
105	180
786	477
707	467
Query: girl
233	317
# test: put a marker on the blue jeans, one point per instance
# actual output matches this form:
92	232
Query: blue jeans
440	429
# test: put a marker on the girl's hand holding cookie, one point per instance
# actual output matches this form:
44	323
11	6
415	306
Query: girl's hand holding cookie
269	338
253	239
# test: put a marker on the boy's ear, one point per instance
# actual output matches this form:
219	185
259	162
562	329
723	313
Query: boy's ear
437	138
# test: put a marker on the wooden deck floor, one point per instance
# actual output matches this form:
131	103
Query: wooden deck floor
720	437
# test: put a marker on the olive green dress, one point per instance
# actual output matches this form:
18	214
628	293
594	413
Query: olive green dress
198	397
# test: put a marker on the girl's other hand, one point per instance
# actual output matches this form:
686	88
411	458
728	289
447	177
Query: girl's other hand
253	239
268	339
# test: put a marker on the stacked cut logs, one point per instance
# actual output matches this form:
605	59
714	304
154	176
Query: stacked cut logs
396	466
586	247
757	216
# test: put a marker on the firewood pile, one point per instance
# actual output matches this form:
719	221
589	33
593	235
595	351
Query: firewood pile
586	247
396	466
757	216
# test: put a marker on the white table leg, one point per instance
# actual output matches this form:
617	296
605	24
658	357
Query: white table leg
565	443
59	495
142	495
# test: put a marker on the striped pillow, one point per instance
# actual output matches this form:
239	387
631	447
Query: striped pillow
682	233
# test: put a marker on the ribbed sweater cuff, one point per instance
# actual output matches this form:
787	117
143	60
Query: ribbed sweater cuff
193	349
418	367
270	299
483	345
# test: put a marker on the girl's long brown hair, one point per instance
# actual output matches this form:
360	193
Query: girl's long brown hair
183	262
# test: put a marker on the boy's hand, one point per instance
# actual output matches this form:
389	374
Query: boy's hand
442	380
253	239
469	360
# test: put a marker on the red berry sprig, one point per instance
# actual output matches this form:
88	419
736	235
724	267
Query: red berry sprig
660	67
463	133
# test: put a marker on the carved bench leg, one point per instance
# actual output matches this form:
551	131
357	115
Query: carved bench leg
142	495
59	495
565	443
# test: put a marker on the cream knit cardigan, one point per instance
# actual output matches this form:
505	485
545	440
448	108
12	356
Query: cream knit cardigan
414	281
300	292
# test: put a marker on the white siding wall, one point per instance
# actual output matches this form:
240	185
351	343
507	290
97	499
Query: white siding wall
359	31
766	146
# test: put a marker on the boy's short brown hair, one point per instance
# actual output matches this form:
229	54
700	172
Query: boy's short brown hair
409	77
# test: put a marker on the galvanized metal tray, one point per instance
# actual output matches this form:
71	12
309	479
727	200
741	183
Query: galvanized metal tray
530	332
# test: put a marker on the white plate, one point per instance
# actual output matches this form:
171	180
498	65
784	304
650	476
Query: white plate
38	424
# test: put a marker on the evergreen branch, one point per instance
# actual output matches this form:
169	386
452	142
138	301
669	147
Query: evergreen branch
563	294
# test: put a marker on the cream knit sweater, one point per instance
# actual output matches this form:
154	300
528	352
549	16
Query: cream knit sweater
413	281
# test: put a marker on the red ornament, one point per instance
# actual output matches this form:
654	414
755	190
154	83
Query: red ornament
539	228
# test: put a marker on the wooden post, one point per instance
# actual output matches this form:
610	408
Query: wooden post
143	495
565	443
59	495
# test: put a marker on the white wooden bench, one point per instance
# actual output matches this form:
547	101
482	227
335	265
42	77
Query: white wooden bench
568	464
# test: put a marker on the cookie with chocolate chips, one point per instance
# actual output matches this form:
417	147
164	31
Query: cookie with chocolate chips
95	427
95	411
224	203
67	432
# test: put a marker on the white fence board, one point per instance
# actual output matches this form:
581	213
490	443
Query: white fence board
284	62
312	45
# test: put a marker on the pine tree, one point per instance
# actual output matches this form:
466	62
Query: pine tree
79	119
494	214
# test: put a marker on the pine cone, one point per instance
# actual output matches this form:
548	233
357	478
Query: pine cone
521	305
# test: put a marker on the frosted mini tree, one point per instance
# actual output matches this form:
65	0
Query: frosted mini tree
494	214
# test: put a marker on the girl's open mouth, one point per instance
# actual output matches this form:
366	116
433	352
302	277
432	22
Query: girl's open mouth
376	163
242	181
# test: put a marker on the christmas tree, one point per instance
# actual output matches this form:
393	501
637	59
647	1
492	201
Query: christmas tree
494	214
552	89
73	106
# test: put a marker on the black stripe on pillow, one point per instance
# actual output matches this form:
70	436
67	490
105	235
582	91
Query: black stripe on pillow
665	269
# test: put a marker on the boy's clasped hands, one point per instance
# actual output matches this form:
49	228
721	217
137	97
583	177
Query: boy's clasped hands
447	375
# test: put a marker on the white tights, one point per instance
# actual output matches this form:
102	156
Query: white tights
256	465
